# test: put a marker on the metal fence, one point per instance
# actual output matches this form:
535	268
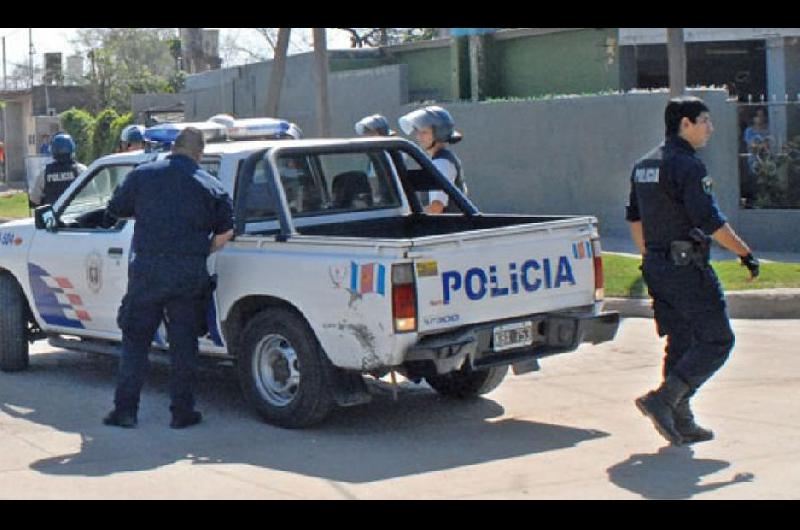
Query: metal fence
769	154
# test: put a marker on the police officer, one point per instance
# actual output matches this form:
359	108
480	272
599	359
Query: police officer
672	211
131	138
182	215
434	129
58	174
375	125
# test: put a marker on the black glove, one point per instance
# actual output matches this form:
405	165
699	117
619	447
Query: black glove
751	262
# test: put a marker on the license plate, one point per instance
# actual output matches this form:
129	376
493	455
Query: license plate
513	336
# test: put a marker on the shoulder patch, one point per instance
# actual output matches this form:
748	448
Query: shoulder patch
708	184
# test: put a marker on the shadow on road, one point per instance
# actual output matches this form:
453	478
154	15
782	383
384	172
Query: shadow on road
419	433
672	473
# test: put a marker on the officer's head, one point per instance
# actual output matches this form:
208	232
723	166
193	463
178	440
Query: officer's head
132	138
63	147
190	142
689	118
375	125
431	125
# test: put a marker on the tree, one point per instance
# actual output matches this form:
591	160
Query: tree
250	45
78	123
360	37
126	61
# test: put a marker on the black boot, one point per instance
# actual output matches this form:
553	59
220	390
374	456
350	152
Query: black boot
659	405
119	418
183	419
686	426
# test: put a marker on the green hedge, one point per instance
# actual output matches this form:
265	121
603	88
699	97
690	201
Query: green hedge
94	136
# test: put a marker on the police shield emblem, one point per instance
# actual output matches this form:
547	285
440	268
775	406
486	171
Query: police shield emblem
708	184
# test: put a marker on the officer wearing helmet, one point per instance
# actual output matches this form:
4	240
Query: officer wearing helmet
131	139
375	125
434	129
58	174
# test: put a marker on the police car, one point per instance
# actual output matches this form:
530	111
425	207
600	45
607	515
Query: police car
335	273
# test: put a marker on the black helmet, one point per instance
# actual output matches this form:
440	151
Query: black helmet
376	123
434	117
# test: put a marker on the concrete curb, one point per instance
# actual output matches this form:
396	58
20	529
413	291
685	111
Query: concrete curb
754	304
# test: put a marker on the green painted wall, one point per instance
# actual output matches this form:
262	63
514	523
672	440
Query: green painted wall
572	62
428	70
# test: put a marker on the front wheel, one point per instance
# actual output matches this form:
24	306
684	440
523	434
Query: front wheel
13	326
282	370
467	382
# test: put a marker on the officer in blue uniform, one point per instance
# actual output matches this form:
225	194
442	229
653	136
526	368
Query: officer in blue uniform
182	214
434	129
58	174
672	212
131	138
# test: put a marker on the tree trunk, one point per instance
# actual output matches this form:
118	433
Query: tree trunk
321	82
676	55
278	71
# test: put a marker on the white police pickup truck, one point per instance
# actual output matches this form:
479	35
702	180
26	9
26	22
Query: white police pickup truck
335	273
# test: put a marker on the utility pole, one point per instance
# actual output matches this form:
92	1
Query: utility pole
30	54
676	56
5	81
277	72
321	81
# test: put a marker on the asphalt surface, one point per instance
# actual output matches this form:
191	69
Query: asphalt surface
570	431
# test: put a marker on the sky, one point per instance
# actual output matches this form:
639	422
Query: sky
57	40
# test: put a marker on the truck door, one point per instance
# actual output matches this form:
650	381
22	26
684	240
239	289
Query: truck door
78	273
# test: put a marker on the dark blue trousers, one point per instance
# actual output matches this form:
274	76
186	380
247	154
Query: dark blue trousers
161	288
689	307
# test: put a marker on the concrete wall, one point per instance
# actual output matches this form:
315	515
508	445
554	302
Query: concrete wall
16	143
353	94
61	98
558	156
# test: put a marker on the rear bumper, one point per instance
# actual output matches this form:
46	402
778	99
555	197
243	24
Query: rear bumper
553	333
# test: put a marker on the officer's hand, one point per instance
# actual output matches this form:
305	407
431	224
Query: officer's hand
752	264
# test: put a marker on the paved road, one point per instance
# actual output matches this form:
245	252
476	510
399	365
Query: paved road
568	431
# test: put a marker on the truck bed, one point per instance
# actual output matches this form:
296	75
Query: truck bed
415	226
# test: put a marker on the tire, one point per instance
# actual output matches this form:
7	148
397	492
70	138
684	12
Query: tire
283	371
14	354
468	383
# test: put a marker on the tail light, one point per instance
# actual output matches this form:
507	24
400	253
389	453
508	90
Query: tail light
597	255
404	298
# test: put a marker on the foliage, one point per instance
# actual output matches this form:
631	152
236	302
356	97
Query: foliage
128	61
360	37
777	174
79	124
103	140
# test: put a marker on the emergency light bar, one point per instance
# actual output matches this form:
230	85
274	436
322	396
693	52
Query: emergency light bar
165	133
221	127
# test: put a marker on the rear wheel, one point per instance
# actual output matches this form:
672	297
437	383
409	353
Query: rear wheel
467	382
13	326
282	370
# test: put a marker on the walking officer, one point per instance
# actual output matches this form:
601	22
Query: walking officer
58	174
671	213
434	129
182	215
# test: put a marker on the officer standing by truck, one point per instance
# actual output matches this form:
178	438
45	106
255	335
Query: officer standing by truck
672	212
131	138
57	175
434	129
182	215
375	125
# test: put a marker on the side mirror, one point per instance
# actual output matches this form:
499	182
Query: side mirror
45	218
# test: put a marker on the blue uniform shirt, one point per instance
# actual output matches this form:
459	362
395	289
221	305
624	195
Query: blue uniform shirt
177	206
671	193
